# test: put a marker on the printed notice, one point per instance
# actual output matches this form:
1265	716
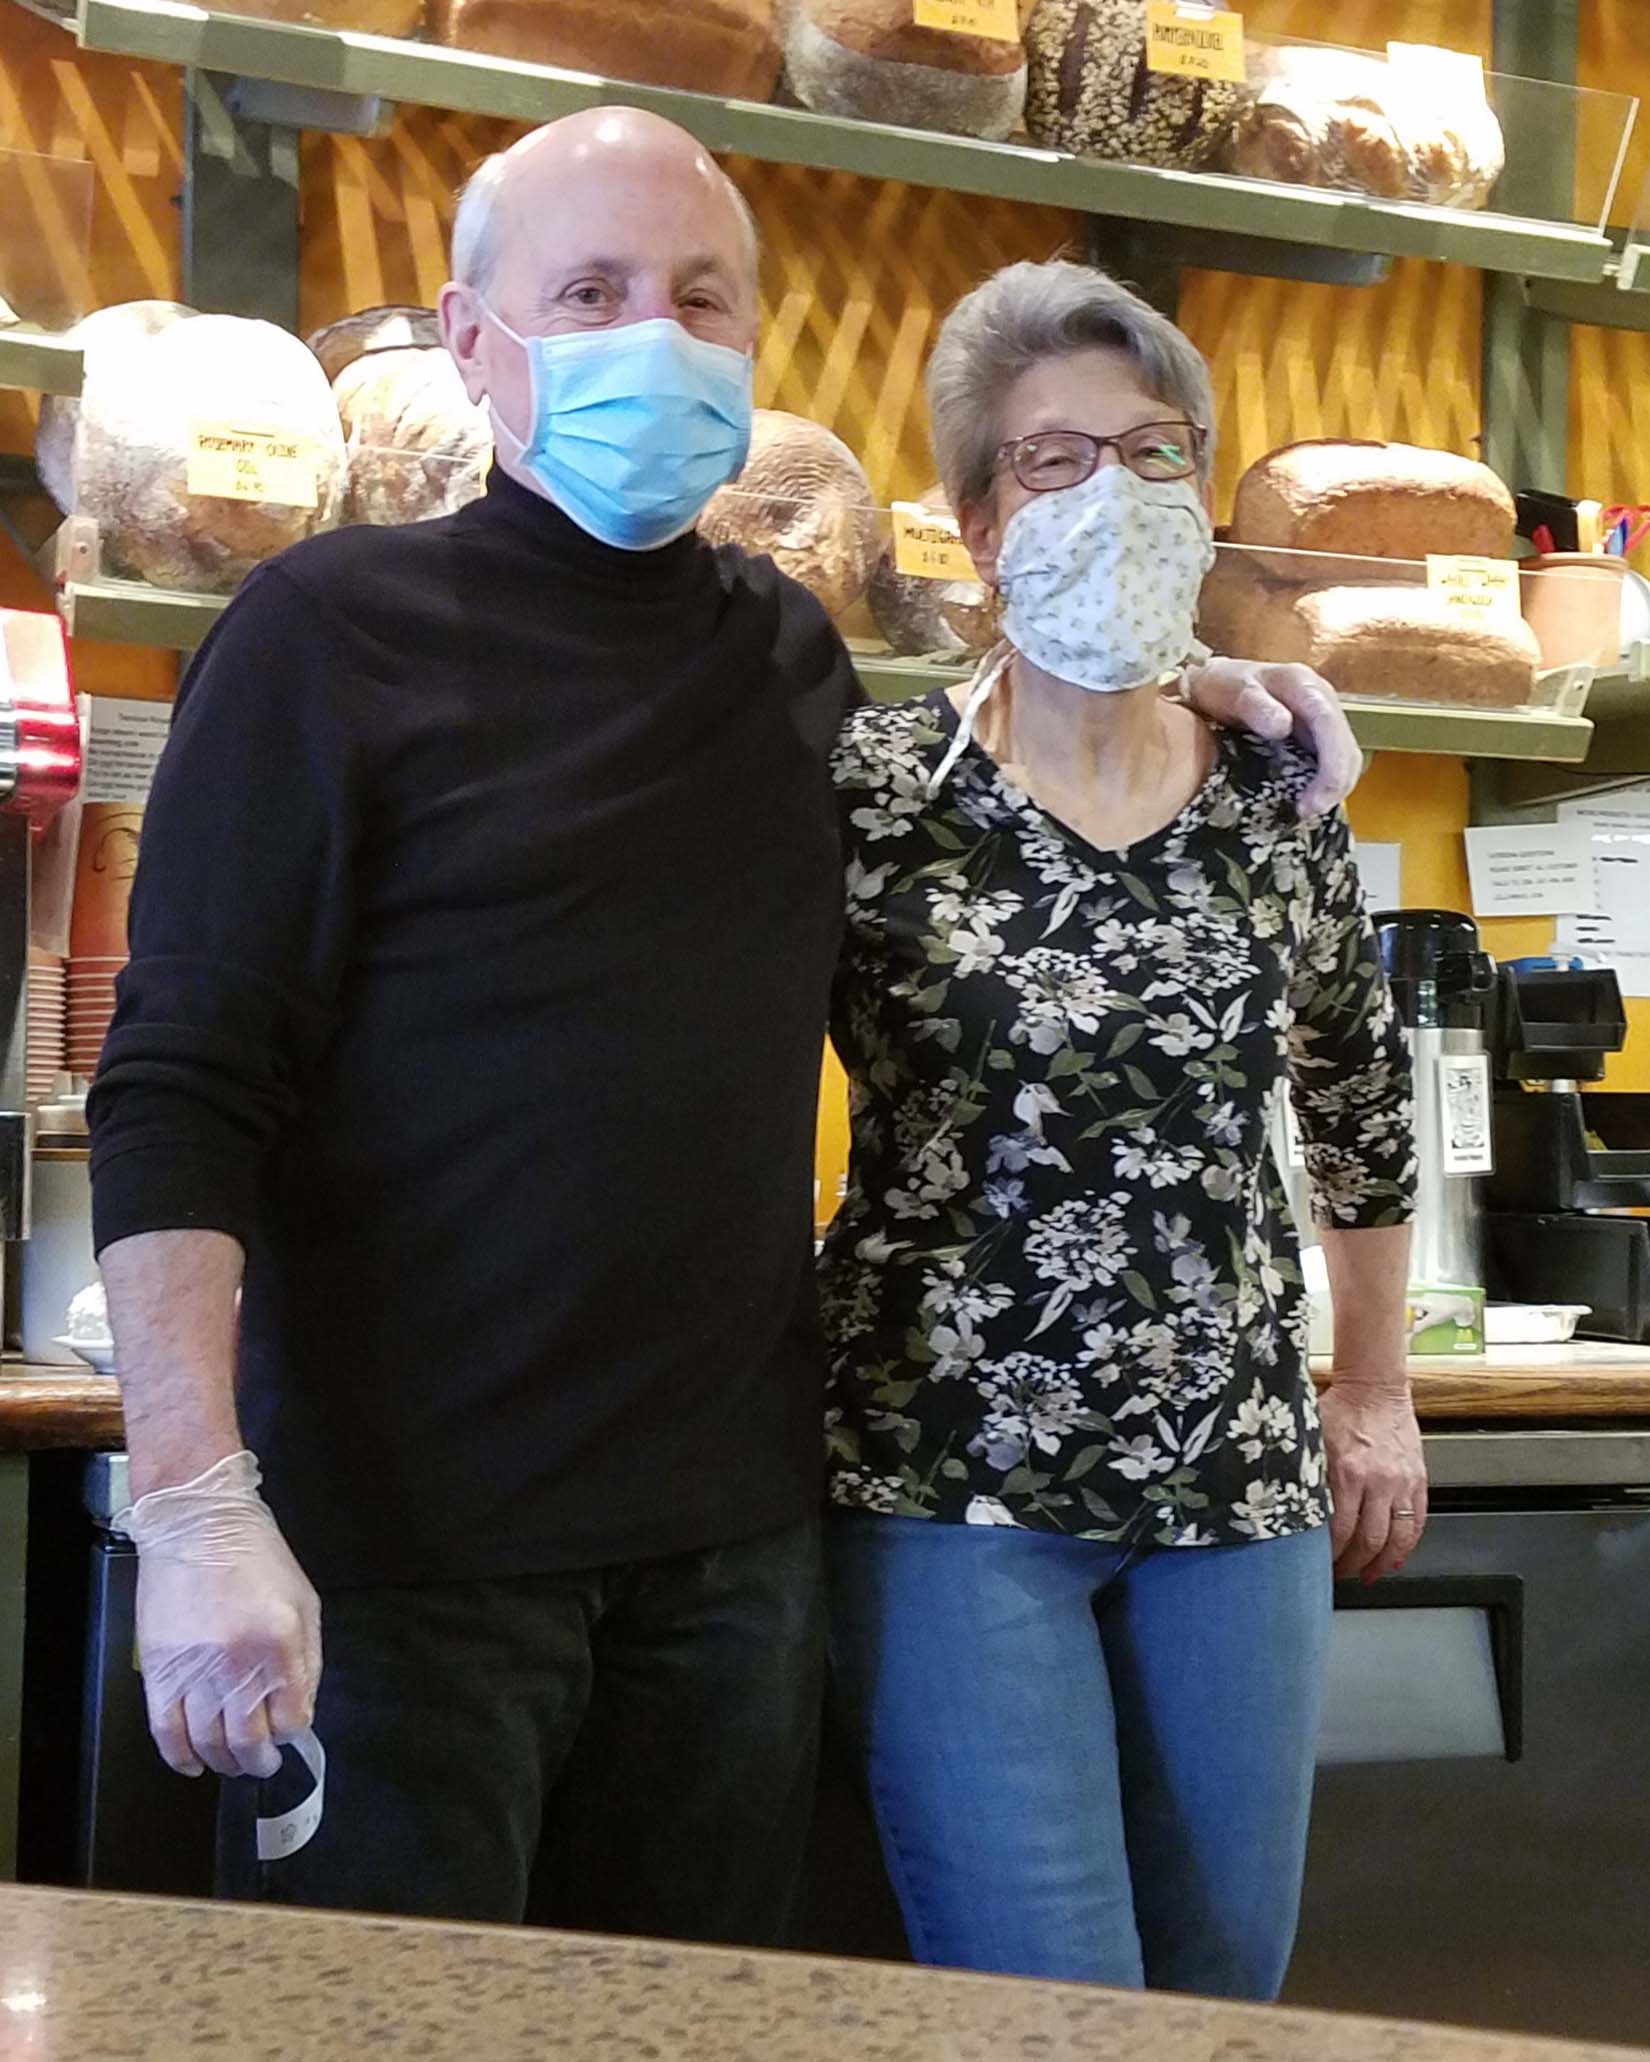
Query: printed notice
997	20
1596	940
1192	42
1380	868
1482	589
123	747
1464	1112
1531	869
235	462
928	545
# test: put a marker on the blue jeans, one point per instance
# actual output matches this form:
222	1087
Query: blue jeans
1086	1762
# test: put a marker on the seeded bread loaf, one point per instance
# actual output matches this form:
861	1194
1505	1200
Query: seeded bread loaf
1089	91
869	61
803	501
1381	500
726	47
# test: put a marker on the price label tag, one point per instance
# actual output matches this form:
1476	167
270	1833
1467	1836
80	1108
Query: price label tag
996	20
1484	590
1192	42
232	462
928	545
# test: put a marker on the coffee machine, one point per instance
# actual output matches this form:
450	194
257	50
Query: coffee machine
1554	1231
1442	983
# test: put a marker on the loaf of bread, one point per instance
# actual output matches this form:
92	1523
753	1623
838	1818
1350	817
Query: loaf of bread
803	501
726	47
1089	91
949	618
1378	500
417	445
368	17
374	329
1396	641
869	61
139	412
1350	119
105	338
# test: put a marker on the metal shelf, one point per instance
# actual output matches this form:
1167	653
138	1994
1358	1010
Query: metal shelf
343	63
39	361
127	612
1379	726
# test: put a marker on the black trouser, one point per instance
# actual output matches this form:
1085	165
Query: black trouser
625	1750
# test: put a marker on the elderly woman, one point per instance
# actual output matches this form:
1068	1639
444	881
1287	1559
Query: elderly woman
1082	1536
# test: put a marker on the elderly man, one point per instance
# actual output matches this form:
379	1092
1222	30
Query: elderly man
481	944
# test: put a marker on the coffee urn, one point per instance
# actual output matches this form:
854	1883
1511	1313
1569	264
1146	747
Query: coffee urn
1442	984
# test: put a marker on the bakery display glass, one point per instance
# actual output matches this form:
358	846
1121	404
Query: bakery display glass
45	276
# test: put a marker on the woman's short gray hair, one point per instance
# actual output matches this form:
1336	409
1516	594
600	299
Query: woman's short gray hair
1023	315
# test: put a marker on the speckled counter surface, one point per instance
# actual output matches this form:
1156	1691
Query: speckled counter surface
131	1980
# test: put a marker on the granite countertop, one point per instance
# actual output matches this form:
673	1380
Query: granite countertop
148	1980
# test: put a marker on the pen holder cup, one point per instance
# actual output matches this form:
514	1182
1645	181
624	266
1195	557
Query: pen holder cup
1572	602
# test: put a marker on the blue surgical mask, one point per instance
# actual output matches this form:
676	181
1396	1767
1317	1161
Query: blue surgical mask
633	429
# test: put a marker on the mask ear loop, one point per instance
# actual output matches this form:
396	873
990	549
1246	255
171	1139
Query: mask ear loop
965	728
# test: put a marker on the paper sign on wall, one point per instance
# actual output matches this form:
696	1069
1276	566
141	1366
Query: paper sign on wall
235	462
1193	42
1380	869
928	545
1484	590
1533	869
997	20
123	747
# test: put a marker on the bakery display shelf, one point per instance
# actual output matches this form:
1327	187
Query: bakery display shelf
127	612
342	62
39	360
1378	726
1607	305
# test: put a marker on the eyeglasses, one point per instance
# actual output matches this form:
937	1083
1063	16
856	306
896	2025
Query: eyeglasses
1066	458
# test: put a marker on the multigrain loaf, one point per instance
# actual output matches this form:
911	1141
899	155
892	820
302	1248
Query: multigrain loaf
867	60
1089	90
1382	500
919	616
803	501
727	47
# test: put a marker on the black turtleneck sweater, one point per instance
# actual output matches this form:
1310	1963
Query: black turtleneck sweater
481	946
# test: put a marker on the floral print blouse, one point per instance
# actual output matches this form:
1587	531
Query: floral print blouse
1063	1290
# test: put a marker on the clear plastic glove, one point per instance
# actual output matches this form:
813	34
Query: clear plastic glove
228	1627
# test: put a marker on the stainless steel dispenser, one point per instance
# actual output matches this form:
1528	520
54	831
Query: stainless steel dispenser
1442	983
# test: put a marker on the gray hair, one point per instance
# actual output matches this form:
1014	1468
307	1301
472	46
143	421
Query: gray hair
1023	315
476	226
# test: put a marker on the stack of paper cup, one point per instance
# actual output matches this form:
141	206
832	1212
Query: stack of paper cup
45	1056
109	837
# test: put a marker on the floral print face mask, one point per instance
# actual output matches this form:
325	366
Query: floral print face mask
1101	580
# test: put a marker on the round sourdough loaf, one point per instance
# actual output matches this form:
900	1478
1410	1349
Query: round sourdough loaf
105	339
802	500
374	329
417	445
139	414
867	60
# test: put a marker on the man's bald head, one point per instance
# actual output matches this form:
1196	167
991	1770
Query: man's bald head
593	147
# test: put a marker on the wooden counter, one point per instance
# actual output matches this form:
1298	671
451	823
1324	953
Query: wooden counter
59	1407
148	1980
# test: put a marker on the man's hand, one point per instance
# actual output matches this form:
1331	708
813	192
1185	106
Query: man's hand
1277	702
229	1629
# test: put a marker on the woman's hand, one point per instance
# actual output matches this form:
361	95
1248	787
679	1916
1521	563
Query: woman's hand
1377	1476
1279	701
